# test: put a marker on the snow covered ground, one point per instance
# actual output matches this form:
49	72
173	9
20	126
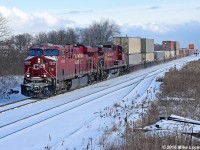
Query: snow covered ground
79	119
6	84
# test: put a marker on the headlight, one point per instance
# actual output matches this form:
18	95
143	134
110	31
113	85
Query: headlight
45	75
39	60
28	75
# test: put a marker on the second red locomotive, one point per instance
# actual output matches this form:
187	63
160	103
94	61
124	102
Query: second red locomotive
51	69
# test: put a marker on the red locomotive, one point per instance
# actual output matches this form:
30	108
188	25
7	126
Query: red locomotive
51	69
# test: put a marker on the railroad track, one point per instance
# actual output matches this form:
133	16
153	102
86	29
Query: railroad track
98	94
21	103
17	104
8	107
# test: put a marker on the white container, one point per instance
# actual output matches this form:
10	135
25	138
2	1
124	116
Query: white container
167	54
159	55
131	45
172	53
134	59
177	52
177	45
147	57
147	45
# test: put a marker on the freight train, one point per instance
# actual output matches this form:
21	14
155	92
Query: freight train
53	69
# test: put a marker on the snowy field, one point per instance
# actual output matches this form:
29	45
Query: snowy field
79	119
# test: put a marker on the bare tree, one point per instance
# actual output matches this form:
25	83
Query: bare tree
23	41
4	30
52	37
71	36
158	47
61	36
84	36
41	38
99	33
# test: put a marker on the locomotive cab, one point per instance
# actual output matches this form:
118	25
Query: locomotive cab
40	72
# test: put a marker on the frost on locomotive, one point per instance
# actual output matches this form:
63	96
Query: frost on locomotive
52	69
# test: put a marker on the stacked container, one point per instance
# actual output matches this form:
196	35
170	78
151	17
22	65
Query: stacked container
182	52
168	45
159	55
186	51
139	50
134	59
167	54
191	46
147	49
177	48
132	46
172	54
192	51
171	48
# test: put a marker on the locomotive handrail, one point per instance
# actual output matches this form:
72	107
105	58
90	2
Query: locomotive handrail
49	73
28	70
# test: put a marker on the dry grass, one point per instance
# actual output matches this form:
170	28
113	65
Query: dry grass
185	84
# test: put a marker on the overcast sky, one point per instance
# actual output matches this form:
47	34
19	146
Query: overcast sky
158	19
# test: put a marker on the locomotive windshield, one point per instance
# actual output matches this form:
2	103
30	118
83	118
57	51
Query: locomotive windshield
35	52
51	52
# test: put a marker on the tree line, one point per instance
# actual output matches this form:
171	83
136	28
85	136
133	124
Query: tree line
97	33
13	47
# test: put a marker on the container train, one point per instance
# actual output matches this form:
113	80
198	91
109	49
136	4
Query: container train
53	69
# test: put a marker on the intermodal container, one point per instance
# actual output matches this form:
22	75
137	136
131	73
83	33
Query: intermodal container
172	54
187	52
167	54
147	45
176	52
168	45
192	51
159	55
182	51
134	59
131	45
177	45
147	57
191	46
